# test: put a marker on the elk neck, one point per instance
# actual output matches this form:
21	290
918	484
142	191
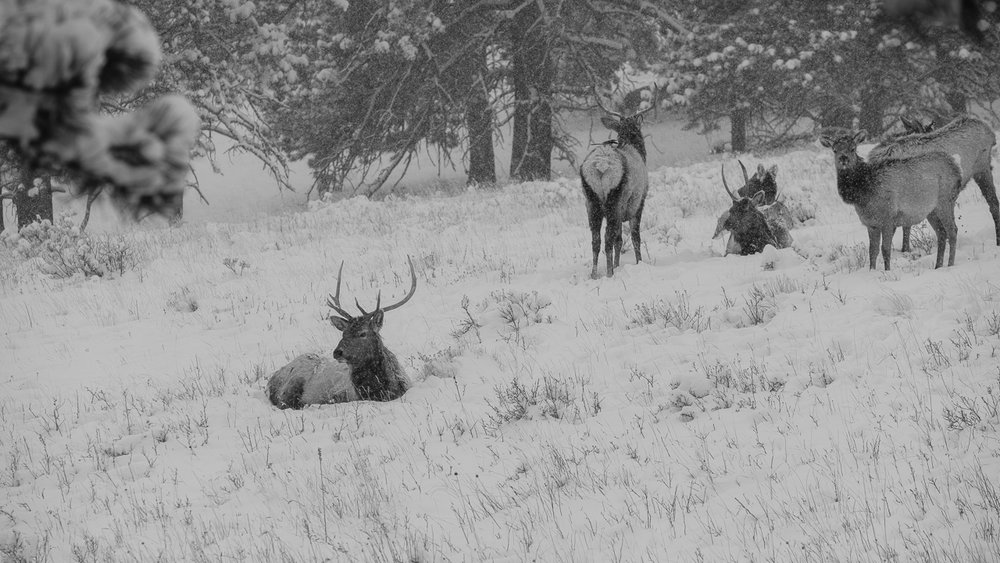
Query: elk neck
855	185
634	140
376	377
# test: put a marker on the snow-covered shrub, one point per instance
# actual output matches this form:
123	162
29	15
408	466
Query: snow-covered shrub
60	250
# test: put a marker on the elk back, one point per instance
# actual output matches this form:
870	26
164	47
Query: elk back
968	137
311	379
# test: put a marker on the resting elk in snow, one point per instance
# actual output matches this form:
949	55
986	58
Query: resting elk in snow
763	180
969	138
615	182
753	224
364	369
897	192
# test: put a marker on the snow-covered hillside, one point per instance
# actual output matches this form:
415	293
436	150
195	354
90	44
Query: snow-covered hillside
790	406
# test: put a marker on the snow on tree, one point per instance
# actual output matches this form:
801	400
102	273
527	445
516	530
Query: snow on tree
56	58
772	64
382	79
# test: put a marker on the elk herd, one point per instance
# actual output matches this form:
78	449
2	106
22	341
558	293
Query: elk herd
906	179
903	181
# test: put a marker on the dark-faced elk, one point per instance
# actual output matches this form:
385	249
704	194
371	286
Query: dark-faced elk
752	223
362	367
615	183
763	180
969	138
897	192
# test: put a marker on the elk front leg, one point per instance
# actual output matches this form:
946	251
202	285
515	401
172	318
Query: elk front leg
887	244
874	237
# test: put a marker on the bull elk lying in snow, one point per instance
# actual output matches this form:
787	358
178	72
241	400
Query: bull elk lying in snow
615	183
364	368
897	192
969	138
756	219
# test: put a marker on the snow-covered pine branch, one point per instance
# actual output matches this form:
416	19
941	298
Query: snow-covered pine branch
56	57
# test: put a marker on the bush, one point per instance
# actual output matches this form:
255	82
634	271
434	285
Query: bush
61	250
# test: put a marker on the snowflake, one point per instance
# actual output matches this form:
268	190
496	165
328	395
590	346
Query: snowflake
409	50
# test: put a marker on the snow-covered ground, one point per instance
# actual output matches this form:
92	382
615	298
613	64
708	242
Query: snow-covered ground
791	406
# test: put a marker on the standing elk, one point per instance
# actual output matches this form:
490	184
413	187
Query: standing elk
752	224
615	182
362	367
897	192
970	138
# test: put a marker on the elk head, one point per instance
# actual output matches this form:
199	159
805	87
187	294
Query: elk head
845	148
360	340
629	129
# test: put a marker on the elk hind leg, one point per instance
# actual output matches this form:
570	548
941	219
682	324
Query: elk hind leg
942	236
984	180
636	239
947	217
905	247
612	240
595	218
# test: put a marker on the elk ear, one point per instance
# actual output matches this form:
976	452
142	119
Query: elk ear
610	123
826	141
377	317
340	323
760	170
773	171
758	198
859	137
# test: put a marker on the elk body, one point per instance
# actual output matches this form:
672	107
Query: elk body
615	182
897	192
969	138
362	367
753	224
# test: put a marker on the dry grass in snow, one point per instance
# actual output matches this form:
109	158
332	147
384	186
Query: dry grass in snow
790	406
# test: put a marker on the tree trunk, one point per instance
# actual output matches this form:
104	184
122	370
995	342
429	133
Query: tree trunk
479	122
872	116
33	204
532	74
739	118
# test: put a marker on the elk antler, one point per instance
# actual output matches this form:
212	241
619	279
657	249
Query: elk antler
725	185
606	110
746	179
363	312
333	301
413	289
